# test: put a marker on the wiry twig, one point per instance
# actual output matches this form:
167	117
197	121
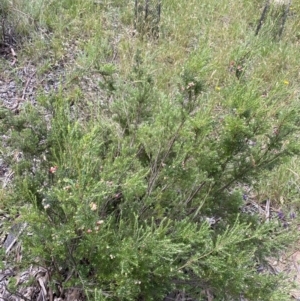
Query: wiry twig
15	238
194	193
26	85
158	166
18	100
262	17
267	210
147	16
146	9
284	18
158	10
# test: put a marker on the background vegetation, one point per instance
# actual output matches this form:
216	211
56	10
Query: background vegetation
135	171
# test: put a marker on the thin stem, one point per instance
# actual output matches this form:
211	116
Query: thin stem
262	17
284	18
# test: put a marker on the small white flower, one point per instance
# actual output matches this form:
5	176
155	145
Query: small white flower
93	206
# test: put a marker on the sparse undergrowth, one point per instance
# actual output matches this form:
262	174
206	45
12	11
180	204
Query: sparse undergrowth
136	187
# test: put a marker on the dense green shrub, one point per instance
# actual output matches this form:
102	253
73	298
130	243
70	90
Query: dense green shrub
139	192
124	197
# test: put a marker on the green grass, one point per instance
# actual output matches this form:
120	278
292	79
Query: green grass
148	135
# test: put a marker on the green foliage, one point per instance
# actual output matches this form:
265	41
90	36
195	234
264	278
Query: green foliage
124	198
139	193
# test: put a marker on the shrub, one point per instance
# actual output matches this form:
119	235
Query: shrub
143	195
139	192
